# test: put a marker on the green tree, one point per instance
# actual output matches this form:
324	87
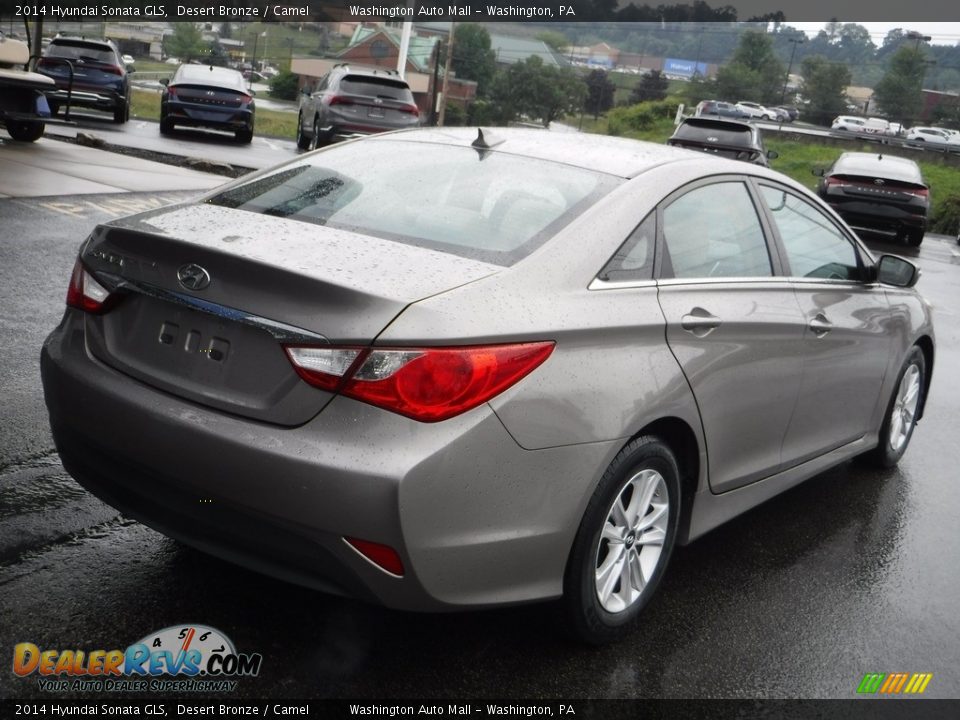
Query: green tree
538	91
600	90
899	92
824	87
284	85
754	72
472	57
652	86
186	42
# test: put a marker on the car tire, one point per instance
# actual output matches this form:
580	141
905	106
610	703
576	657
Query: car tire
54	108
25	130
121	114
303	140
320	139
166	126
244	137
915	238
619	541
900	418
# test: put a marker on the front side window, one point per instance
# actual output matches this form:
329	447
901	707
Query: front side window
714	231
814	244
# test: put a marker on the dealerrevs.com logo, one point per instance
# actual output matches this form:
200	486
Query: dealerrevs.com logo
180	658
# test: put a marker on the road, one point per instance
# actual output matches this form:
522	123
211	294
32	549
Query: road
847	574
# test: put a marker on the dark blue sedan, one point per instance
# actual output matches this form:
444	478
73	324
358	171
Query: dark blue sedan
208	97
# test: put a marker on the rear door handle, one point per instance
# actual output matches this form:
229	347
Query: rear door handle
820	326
699	322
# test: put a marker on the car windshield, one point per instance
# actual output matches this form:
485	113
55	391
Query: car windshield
484	205
81	51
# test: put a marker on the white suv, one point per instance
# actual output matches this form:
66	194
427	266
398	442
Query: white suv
755	110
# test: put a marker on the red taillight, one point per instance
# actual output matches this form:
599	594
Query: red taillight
113	69
834	181
244	98
409	109
382	556
339	100
426	384
171	91
919	192
85	293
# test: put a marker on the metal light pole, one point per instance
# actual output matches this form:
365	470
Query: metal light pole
786	80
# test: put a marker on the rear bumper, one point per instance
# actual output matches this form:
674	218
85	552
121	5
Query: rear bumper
105	100
880	218
193	116
477	520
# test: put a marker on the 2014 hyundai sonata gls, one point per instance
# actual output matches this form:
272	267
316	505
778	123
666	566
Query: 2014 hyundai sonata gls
440	369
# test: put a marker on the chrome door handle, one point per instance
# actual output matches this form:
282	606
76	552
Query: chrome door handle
820	326
699	322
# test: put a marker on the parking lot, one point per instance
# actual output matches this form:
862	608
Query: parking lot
851	572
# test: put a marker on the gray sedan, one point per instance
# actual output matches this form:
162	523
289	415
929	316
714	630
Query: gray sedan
440	370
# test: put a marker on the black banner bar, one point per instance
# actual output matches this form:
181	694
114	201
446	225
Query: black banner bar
540	11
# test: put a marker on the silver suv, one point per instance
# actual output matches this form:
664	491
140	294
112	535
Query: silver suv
352	102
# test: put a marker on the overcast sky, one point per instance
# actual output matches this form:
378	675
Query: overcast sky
942	33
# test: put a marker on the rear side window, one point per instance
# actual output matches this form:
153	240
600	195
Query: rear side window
487	206
815	246
714	231
634	259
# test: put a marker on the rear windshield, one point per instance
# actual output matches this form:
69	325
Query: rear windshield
206	74
496	208
719	133
81	51
376	87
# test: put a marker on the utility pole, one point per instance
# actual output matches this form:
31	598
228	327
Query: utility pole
917	37
435	86
786	80
446	76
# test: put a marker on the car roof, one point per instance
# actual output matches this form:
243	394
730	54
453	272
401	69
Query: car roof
887	166
71	40
611	155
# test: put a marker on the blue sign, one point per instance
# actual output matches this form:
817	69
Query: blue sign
683	68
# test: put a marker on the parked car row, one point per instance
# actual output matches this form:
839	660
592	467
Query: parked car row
943	138
745	110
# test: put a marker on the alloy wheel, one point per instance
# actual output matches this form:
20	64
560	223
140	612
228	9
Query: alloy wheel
632	540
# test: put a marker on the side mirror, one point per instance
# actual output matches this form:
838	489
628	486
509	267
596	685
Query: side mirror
164	81
893	270
304	90
772	154
819	172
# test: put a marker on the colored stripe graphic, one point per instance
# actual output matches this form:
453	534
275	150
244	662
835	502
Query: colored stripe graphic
894	683
871	682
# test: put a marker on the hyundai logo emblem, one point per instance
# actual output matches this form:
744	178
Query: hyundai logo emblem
193	277
878	181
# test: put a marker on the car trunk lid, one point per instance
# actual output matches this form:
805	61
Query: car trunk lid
262	281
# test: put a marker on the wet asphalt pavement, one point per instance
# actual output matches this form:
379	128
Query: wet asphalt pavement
854	571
